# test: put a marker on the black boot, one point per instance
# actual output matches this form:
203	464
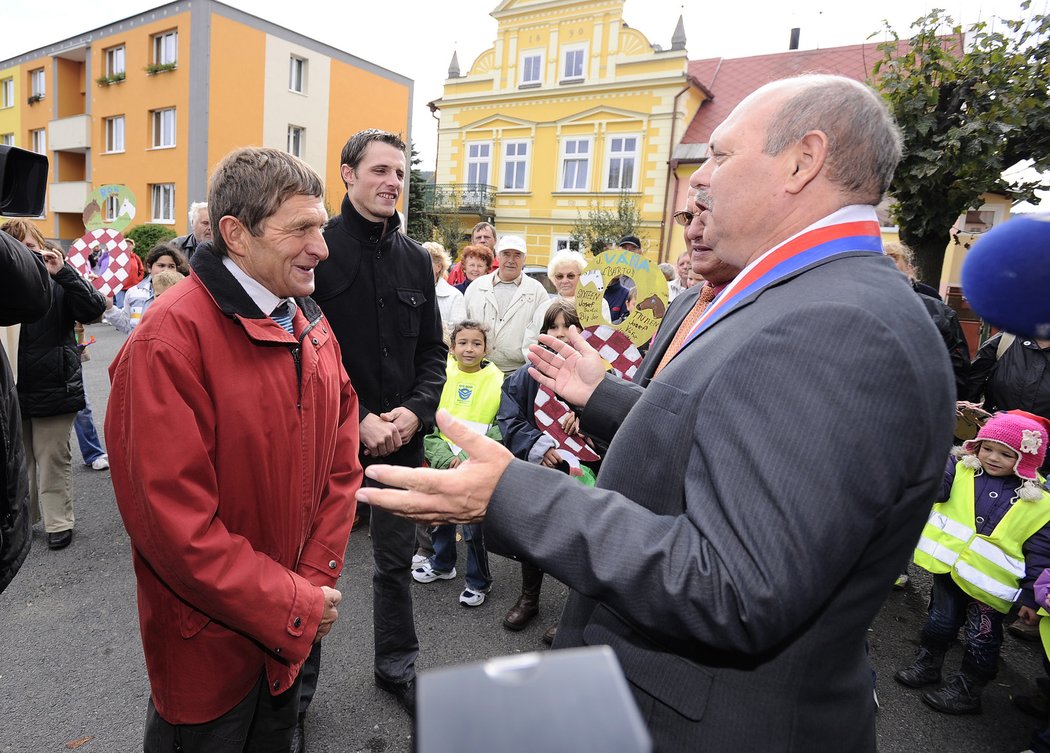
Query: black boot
528	604
960	694
925	670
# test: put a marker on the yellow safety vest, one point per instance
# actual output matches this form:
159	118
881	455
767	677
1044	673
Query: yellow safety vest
472	398
988	568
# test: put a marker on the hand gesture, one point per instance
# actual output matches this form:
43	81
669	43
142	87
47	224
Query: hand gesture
406	421
52	260
379	437
571	369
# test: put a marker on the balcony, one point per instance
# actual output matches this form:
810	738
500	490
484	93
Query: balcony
72	134
460	198
69	196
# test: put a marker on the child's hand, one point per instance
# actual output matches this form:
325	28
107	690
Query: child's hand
550	458
1029	615
455	463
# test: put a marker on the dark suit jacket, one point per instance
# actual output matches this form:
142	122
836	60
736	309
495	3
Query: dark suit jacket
756	503
676	312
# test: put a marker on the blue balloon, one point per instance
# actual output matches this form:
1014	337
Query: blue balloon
1006	276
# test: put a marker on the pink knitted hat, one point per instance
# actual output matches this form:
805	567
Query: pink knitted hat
1023	434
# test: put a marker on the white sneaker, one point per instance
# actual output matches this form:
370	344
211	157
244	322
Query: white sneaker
100	463
427	574
418	559
471	598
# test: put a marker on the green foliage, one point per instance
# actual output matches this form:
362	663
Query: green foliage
449	234
148	236
602	227
155	68
968	110
420	223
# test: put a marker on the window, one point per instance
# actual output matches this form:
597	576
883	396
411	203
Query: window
978	220
115	134
163	195
7	92
115	61
166	48
111	209
163	127
531	69
623	156
515	164
38	140
36	83
478	156
575	164
297	75
565	244
7	139
572	68
296	140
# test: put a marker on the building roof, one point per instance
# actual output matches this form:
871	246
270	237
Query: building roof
732	79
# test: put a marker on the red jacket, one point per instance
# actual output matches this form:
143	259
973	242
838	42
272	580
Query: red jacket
234	455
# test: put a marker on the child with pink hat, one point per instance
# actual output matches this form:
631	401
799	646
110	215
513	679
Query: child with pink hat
986	541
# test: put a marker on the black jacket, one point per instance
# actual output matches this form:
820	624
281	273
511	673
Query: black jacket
377	290
50	382
1020	380
25	295
947	322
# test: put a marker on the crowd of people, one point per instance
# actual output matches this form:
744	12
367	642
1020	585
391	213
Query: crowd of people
793	417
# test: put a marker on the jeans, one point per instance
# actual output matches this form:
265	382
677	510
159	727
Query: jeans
952	608
87	436
479	579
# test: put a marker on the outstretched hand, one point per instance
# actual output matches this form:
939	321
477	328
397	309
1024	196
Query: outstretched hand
573	369
430	495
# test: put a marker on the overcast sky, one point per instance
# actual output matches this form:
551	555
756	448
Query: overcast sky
416	37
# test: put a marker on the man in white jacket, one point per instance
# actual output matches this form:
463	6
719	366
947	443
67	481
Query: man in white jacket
507	300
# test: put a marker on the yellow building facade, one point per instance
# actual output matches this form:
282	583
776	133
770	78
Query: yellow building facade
567	111
154	101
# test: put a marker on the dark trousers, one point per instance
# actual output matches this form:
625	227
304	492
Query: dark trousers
952	608
261	723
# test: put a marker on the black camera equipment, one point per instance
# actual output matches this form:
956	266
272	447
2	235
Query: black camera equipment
23	182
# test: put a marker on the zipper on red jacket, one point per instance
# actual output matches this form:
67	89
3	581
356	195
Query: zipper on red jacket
297	356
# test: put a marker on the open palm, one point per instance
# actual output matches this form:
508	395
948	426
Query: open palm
572	369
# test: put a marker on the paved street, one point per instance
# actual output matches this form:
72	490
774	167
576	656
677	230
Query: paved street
72	664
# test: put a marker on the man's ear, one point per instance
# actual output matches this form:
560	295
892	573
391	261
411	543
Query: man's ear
234	234
348	174
808	156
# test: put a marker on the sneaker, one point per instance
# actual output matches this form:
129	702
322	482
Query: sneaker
425	573
471	598
1021	629
418	559
100	463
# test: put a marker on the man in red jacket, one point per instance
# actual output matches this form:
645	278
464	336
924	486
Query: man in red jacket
235	472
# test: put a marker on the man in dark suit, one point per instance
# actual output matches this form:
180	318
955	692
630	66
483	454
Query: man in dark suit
760	495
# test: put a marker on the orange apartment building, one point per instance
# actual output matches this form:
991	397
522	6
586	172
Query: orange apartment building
153	101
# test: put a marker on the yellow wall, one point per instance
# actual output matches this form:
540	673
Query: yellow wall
10	117
236	102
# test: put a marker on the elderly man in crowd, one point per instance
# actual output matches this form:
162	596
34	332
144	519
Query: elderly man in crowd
760	495
507	301
235	471
200	229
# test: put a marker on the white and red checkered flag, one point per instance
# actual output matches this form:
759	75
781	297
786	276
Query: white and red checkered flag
114	259
548	411
615	348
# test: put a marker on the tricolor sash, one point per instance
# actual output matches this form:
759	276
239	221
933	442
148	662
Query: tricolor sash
847	231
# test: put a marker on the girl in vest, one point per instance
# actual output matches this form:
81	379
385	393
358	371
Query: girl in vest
471	394
986	541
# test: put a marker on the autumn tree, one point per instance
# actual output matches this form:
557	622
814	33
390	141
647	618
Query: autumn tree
969	107
602	227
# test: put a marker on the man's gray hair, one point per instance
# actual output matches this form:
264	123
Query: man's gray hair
355	146
195	212
252	183
864	142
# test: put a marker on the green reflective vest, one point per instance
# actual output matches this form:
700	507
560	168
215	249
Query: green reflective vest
472	398
988	568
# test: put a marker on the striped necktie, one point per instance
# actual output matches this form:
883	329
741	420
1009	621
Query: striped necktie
283	316
702	302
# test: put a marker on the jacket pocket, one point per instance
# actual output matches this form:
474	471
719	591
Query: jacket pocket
410	310
673	680
191	621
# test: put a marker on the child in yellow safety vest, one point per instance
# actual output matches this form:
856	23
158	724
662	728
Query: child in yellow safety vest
986	541
472	395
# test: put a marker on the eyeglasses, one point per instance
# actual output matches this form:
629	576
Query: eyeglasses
684	217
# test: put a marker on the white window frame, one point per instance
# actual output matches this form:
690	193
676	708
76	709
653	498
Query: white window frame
158	129
297	140
297	74
111	207
476	162
567	156
621	156
114	131
115	60
162	198
523	68
994	209
7	92
38	140
166	48
563	242
37	83
7	139
518	162
567	76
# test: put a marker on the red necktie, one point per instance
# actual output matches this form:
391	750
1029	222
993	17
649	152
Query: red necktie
702	302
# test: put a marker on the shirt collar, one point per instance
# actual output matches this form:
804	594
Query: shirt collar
497	280
261	297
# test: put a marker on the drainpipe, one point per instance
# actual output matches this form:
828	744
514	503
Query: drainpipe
665	236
